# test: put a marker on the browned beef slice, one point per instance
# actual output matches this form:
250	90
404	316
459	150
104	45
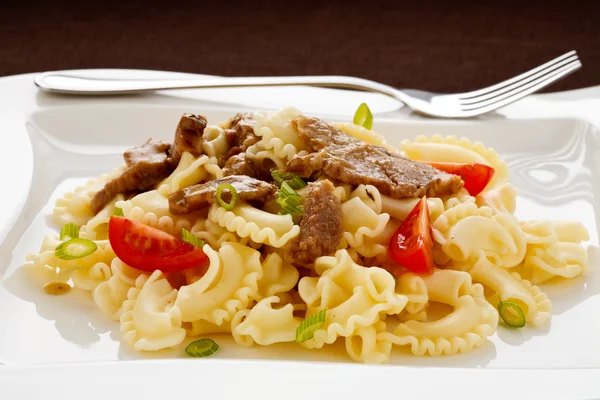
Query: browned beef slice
188	136
147	165
321	225
198	196
152	148
344	158
240	135
239	165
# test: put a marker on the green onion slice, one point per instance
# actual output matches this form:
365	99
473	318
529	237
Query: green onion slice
118	212
289	200
69	231
222	187
511	314
190	238
201	348
306	330
293	180
363	116
75	248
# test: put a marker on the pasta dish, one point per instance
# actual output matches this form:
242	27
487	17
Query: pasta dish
279	227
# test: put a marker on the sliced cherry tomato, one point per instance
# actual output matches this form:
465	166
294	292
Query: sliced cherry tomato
148	249
412	243
475	176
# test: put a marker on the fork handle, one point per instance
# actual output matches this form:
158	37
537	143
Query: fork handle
71	83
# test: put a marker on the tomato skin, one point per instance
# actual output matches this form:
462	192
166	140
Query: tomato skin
148	249
475	176
412	244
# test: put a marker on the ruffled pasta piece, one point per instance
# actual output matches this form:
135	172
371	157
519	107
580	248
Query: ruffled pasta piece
97	227
400	208
414	288
277	133
260	226
229	285
502	198
76	206
361	225
354	297
510	286
87	272
466	229
451	149
265	324
472	321
190	171
364	134
214	142
150	321
277	277
201	327
570	231
363	346
111	295
561	259
152	208
215	235
369	195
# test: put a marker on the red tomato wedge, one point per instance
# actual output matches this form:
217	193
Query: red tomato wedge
475	176
412	244
148	249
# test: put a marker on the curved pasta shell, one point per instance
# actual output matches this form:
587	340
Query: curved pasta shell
189	171
260	226
363	346
149	320
266	325
277	133
361	225
354	297
229	284
110	295
277	276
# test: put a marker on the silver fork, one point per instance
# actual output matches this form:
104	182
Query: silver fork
460	105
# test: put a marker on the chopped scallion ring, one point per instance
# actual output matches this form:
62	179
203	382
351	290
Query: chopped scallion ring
289	200
190	238
291	178
511	314
69	231
118	212
226	186
306	330
363	116
201	348
75	248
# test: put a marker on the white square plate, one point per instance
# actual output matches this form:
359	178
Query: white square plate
555	164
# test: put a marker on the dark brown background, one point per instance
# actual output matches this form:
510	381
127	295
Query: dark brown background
437	45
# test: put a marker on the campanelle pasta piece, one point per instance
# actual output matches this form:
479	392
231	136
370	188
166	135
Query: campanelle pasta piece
75	206
152	208
190	171
264	324
260	226
414	288
353	295
547	256
510	286
277	276
472	321
361	224
97	227
451	149
367	135
230	283
363	346
149	320
277	133
369	195
467	229
213	234
214	142
501	199
110	295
